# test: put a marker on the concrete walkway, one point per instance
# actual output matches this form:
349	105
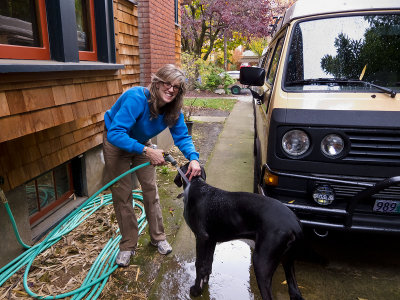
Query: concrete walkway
230	167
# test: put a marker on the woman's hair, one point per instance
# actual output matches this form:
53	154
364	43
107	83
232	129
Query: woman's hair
168	73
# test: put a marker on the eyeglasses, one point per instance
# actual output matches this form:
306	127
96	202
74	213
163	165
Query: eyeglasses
168	85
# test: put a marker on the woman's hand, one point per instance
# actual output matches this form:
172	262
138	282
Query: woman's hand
193	169
156	156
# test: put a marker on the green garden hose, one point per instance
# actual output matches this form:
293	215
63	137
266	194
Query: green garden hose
14	225
104	264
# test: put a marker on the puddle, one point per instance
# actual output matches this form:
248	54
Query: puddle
230	278
354	270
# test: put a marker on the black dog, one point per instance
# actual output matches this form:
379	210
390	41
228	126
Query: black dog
215	216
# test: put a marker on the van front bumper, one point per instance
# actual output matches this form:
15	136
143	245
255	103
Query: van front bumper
352	211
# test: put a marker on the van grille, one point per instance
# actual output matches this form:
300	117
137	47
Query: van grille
344	192
374	146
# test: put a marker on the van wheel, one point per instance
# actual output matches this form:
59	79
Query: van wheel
235	90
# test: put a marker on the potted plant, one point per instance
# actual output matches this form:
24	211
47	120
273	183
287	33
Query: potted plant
187	113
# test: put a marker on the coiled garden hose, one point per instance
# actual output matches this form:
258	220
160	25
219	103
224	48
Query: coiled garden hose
103	266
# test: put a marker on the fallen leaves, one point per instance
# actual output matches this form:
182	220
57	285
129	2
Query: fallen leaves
63	267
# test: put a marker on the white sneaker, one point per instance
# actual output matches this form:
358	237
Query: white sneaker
162	246
124	257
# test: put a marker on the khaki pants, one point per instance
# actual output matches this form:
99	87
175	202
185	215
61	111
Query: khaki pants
118	161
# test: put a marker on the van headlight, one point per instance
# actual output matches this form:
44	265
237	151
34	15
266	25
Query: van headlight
332	145
295	142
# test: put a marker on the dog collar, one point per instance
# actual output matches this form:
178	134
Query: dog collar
183	176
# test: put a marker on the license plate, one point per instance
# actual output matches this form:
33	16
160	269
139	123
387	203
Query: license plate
387	206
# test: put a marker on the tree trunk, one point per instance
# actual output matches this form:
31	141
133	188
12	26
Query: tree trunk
225	54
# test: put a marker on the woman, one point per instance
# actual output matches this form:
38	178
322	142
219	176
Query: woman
137	116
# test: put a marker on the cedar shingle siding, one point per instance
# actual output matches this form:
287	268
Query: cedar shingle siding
52	113
48	118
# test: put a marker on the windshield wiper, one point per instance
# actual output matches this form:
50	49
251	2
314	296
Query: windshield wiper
389	91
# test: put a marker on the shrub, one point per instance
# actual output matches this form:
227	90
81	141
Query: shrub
227	80
204	75
190	65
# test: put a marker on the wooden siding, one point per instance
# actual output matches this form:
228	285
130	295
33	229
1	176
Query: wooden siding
127	42
177	46
178	35
49	119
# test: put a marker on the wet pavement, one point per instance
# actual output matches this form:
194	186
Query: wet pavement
342	266
230	167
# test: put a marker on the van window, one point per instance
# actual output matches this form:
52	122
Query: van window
335	54
274	62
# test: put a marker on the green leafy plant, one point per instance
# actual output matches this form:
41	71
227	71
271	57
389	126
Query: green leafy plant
164	170
213	80
204	75
191	65
227	80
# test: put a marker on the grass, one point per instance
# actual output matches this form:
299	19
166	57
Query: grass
214	103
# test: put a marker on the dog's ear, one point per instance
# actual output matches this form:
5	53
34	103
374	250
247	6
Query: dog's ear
178	180
203	173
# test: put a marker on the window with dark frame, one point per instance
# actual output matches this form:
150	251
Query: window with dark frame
48	191
23	30
176	3
85	27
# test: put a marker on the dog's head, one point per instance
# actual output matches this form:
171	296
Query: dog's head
179	180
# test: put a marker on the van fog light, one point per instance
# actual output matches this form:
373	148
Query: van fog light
332	145
323	195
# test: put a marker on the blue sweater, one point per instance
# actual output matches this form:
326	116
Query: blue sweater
129	125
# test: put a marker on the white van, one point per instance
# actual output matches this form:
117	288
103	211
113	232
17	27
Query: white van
327	114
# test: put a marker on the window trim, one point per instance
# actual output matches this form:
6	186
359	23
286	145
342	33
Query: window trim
279	43
25	52
90	55
43	212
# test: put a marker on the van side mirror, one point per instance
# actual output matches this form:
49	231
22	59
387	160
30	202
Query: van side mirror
252	76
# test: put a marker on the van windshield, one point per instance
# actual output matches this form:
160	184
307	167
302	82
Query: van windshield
345	54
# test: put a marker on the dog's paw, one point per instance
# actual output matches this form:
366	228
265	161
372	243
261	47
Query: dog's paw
206	279
195	291
297	297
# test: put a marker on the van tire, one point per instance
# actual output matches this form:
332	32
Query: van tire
235	90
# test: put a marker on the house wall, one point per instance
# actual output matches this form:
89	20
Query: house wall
10	247
127	42
46	120
156	39
49	118
158	45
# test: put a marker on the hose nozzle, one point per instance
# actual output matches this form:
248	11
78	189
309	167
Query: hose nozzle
168	157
